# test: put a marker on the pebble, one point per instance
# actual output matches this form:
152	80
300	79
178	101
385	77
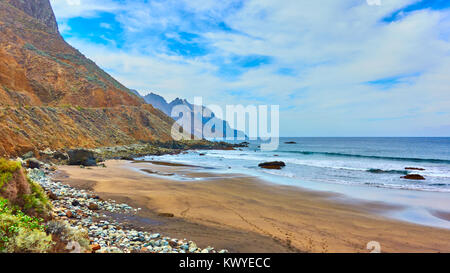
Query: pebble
81	209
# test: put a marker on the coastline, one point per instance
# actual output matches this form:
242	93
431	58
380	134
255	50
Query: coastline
254	216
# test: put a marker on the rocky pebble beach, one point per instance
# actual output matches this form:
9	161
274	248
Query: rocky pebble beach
87	212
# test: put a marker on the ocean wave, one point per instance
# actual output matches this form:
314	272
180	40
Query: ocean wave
328	164
379	171
409	159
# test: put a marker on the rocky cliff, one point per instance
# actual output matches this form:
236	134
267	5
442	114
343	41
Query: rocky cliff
41	10
37	67
52	96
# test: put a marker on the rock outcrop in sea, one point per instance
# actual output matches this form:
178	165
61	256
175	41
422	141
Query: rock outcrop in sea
276	165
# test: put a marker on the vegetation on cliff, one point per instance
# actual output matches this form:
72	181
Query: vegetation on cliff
26	224
7	168
20	231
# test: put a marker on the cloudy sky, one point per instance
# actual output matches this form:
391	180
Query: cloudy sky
335	67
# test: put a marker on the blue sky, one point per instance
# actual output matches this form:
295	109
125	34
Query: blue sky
335	67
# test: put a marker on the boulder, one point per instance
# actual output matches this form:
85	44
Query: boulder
28	155
53	196
276	165
93	206
82	157
69	214
58	155
95	197
413	177
95	247
33	163
168	215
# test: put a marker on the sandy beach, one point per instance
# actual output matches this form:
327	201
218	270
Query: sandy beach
243	214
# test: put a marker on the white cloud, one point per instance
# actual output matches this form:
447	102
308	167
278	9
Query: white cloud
106	26
66	9
334	47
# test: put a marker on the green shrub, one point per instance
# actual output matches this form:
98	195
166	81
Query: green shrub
20	233
7	168
31	47
68	233
37	200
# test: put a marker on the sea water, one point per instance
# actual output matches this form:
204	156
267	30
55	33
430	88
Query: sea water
362	168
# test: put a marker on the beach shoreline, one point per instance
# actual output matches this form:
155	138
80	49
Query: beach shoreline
244	214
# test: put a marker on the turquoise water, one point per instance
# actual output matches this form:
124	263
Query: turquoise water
369	169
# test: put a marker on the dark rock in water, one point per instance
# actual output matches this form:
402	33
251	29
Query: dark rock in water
414	169
244	144
33	163
376	171
82	157
202	154
28	155
290	142
129	158
414	177
276	165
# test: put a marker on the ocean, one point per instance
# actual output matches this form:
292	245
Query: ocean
364	168
372	162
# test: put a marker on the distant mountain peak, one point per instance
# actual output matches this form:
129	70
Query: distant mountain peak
160	103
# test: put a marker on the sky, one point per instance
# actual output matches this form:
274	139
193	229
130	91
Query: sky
335	67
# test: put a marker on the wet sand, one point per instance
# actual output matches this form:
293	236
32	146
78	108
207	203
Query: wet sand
243	214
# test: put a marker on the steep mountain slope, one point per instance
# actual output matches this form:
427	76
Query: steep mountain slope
40	10
42	77
38	67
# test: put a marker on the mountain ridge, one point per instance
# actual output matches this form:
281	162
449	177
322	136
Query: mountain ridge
52	96
38	9
43	69
160	103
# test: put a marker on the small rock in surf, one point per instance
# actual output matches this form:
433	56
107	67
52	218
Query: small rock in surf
414	169
276	165
413	177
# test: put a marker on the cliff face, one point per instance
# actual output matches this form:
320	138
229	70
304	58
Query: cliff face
42	77
38	9
37	128
37	67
